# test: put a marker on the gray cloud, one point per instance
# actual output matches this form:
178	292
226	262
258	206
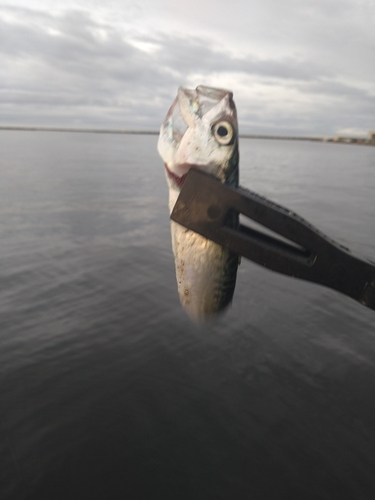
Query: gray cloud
71	69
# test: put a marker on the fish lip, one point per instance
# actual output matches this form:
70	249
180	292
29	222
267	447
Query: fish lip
176	179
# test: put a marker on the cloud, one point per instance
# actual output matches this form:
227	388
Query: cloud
66	62
71	68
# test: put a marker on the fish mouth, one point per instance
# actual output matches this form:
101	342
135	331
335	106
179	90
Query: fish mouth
178	180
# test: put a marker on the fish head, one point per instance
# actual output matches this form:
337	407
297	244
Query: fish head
201	131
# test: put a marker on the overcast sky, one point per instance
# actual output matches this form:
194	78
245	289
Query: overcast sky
303	67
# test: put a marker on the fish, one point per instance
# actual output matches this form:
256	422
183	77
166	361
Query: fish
200	131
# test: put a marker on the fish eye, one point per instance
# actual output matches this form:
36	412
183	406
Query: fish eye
223	132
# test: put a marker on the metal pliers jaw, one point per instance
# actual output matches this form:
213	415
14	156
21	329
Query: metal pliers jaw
296	248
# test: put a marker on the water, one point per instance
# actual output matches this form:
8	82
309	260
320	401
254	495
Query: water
108	391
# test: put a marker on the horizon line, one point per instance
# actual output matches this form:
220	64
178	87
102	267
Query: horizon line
155	132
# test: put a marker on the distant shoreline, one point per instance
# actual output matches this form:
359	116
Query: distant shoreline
87	130
339	140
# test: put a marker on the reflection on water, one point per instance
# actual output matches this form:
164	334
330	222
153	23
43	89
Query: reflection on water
109	391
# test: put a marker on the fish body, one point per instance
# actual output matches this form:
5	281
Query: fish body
201	131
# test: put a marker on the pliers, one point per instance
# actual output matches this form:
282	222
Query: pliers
296	248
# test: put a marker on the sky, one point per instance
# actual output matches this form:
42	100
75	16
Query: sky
296	67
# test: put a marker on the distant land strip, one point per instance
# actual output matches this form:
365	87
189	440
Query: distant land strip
345	140
87	130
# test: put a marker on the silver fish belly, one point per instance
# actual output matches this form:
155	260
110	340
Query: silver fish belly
201	131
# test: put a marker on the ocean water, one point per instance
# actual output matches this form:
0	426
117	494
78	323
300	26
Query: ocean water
109	391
